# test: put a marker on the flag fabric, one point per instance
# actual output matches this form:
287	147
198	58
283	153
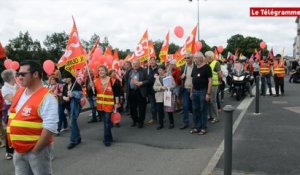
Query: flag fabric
2	52
251	59
152	50
164	49
271	54
229	55
258	54
142	50
236	54
116	55
75	55
90	55
191	41
108	51
216	54
180	57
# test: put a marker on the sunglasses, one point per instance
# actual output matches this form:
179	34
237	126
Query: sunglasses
22	74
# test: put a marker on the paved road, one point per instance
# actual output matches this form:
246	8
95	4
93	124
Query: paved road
169	152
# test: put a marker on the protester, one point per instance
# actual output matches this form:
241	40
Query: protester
186	78
108	98
216	78
8	92
175	71
90	92
117	89
279	73
256	68
265	73
56	88
200	93
152	72
72	94
32	121
137	93
159	88
127	69
2	132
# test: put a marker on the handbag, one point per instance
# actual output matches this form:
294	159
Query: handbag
168	98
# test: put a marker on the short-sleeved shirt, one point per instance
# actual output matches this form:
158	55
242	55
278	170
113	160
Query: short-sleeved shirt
200	77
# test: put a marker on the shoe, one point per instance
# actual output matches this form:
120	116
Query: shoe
210	119
184	127
171	126
159	127
107	144
193	131
100	120
277	95
118	125
214	121
78	141
92	121
71	145
202	132
141	125
8	156
133	125
151	122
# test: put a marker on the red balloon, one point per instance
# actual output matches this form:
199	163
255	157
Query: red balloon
15	65
49	67
263	45
115	118
198	46
83	102
7	63
178	31
220	49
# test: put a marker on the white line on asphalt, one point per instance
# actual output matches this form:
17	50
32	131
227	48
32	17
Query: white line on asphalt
216	157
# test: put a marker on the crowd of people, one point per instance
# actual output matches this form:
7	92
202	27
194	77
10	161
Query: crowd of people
33	112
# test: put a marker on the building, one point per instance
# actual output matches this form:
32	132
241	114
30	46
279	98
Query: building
296	50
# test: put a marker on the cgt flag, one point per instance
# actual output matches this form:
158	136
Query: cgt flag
164	49
142	50
2	52
190	42
152	50
75	55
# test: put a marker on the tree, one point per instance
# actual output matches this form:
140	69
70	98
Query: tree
56	44
205	47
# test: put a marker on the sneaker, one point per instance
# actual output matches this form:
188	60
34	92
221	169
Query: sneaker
8	156
151	122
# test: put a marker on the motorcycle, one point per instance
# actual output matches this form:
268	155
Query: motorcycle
240	83
295	75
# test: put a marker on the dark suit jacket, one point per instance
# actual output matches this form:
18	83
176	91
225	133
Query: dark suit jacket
142	74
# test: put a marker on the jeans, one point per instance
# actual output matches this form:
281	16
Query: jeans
186	106
30	163
62	117
107	126
212	106
153	106
200	109
92	103
75	107
266	79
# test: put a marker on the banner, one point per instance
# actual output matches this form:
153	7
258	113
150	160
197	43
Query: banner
152	50
142	50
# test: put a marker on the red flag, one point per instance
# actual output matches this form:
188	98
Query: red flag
75	54
116	55
190	41
164	49
108	51
93	49
152	50
258	55
216	54
2	52
180	57
142	50
271	54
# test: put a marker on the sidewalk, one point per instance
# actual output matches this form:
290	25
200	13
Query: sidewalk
269	143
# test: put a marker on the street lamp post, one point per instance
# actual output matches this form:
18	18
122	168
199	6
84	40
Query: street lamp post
197	19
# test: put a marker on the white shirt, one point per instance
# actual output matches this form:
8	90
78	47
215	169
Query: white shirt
48	110
8	89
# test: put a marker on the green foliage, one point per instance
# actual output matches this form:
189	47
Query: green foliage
56	44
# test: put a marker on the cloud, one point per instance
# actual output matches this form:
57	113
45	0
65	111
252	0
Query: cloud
124	22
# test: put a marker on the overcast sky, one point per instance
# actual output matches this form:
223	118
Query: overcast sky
124	21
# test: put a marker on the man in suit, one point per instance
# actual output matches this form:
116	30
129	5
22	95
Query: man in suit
137	93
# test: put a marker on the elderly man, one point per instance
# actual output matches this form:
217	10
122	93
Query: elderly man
186	78
137	93
216	79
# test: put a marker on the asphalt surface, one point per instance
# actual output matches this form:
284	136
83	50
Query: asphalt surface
266	144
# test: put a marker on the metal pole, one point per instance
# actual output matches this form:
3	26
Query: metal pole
257	95
228	109
198	21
